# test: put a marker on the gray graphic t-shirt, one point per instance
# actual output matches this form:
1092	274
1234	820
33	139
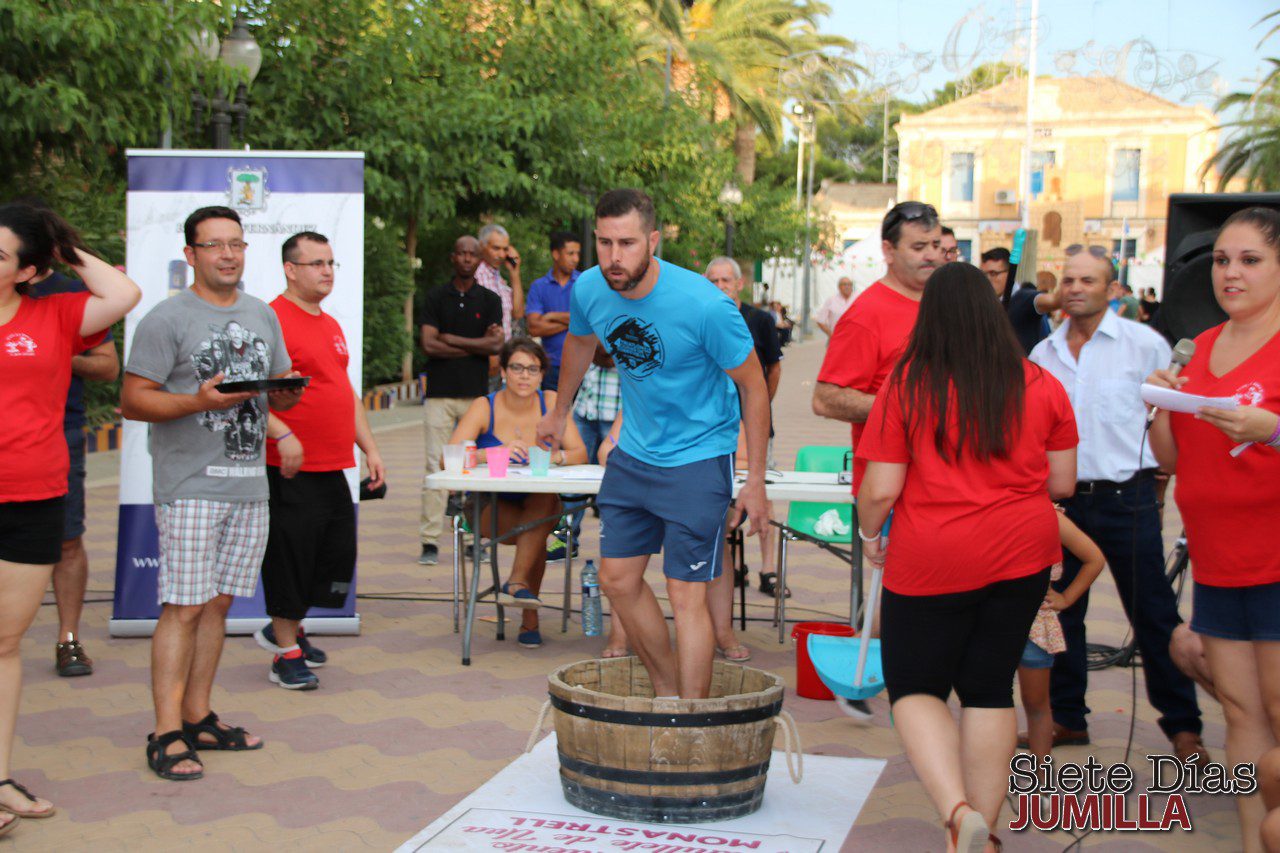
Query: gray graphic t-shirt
182	343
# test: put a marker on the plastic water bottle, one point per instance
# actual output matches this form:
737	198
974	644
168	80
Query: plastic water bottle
591	611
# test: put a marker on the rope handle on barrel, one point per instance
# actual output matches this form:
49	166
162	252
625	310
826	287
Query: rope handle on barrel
791	735
537	727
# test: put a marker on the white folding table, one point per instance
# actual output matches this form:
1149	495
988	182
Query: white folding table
585	480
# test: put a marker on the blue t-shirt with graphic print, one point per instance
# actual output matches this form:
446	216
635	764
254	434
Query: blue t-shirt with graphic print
672	349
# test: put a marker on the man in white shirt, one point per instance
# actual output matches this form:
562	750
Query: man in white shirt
1101	359
835	306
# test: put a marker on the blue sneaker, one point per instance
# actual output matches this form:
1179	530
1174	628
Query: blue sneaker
266	637
293	674
530	639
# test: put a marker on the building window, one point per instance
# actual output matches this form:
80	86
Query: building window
966	250
1041	162
962	176
1125	249
1128	168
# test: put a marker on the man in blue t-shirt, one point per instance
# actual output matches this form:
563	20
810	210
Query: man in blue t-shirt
680	347
547	307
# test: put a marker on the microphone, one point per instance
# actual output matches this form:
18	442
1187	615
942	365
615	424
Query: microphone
1183	350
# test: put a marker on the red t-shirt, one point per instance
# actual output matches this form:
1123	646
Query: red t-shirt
867	340
36	347
1229	504
964	524
325	418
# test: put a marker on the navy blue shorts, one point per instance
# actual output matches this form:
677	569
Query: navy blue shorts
680	511
73	519
1237	612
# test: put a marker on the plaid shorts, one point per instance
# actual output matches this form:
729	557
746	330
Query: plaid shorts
210	548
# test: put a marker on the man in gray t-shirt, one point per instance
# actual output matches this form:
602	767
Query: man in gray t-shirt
208	477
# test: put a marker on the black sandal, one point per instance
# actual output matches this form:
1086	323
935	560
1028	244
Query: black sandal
740	577
161	763
231	739
769	585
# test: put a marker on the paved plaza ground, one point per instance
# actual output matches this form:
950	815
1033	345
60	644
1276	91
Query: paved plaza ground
400	731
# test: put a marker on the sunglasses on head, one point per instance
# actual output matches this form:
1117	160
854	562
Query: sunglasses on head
906	212
1097	251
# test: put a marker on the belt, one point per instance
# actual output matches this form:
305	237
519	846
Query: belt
1089	487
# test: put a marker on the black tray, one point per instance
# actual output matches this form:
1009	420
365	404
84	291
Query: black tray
281	384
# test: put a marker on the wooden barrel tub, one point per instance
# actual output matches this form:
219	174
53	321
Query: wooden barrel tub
625	755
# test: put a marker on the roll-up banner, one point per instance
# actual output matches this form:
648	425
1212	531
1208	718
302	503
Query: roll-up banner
276	193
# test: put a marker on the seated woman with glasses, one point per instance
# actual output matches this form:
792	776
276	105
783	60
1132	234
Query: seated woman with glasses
509	418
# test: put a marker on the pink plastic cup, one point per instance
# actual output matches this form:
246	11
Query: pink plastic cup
497	459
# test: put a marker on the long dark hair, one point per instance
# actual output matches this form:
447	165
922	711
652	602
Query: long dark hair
964	350
41	233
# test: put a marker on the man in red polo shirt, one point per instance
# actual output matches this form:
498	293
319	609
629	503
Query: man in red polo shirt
311	547
869	337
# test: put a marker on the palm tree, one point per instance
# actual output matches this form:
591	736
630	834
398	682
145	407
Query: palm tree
1252	150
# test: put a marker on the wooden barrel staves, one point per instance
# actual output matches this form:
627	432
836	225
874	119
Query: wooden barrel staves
624	754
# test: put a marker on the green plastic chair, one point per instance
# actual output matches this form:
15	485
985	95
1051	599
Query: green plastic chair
803	515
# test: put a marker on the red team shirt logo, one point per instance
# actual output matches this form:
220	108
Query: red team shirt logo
1251	394
19	344
339	345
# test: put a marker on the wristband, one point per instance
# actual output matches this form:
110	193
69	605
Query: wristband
1274	441
283	437
875	538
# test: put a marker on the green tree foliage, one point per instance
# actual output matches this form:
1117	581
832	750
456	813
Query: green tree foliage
515	111
1251	146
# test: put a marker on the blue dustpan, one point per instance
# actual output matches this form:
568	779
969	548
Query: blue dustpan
850	666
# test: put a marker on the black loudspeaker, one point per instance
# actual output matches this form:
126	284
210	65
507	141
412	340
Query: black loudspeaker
1188	306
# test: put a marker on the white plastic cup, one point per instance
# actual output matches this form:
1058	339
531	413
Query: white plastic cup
454	455
539	461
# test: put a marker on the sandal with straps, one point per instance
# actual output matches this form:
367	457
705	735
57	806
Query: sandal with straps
995	842
35	815
230	739
162	763
971	833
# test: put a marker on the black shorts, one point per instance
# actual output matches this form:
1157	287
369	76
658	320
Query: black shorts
967	641
311	547
73	518
31	531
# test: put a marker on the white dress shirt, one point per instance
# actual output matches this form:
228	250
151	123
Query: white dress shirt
833	309
1105	390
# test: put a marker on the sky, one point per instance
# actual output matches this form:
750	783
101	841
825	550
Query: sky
1188	51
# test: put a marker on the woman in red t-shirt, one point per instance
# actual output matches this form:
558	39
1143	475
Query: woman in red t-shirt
38	338
1229	494
967	442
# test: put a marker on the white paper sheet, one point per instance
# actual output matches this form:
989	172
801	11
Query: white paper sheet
568	472
1177	401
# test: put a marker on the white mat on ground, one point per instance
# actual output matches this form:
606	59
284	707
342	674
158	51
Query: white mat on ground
523	808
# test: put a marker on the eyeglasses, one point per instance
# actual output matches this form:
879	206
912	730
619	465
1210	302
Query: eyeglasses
317	265
908	211
237	246
1098	252
526	369
951	254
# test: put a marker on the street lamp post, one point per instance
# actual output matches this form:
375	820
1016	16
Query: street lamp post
805	303
730	198
241	53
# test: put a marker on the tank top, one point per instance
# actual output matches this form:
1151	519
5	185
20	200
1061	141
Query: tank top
487	438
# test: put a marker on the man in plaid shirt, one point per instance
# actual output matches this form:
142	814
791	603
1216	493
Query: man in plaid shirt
596	407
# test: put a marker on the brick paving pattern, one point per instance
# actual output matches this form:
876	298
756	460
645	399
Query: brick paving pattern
400	731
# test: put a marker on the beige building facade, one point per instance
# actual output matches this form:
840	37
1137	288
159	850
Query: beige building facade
1105	158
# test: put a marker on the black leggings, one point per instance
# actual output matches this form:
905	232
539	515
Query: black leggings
967	641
